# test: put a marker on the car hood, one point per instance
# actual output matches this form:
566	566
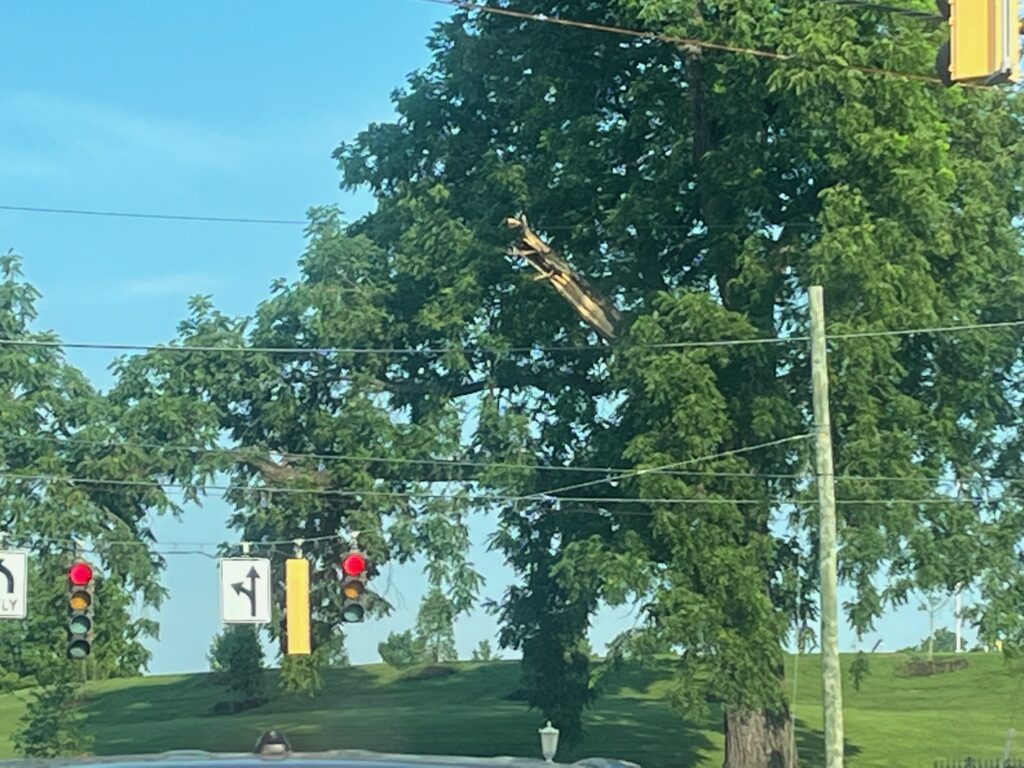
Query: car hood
332	759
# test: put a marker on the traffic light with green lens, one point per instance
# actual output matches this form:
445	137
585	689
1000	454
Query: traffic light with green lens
353	587
80	603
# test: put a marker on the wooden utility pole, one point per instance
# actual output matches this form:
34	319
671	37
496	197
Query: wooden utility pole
828	550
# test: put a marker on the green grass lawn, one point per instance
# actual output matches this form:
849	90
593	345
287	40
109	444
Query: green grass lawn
892	721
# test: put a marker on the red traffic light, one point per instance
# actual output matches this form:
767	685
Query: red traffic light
80	574
353	564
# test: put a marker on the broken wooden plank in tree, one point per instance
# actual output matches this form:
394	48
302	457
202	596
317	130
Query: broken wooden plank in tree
596	310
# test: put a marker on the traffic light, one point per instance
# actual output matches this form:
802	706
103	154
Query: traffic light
296	606
80	603
353	587
984	42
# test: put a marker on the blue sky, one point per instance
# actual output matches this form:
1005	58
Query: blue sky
218	109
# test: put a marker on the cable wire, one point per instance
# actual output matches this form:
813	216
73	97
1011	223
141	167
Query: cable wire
696	227
673	465
549	496
934	329
394	351
893	9
353	458
339	493
676	40
161	216
452	463
397	351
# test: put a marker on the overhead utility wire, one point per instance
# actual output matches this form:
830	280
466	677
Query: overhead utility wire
353	458
674	39
161	216
324	351
696	227
402	461
544	496
672	465
489	498
893	9
339	493
935	329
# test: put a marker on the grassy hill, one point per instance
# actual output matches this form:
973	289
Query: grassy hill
893	720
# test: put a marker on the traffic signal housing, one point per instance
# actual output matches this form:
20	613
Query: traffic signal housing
353	587
984	42
80	604
295	626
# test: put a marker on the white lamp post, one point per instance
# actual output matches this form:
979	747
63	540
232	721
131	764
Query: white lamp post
548	742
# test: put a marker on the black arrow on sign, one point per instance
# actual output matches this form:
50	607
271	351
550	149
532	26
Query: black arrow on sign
9	575
240	590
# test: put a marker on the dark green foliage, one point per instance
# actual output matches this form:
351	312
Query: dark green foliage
706	192
53	724
484	652
53	424
400	650
351	404
236	656
435	629
860	668
703	192
943	641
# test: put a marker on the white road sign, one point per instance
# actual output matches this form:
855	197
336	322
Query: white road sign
245	590
13	585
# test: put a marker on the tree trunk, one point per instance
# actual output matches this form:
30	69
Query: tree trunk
759	738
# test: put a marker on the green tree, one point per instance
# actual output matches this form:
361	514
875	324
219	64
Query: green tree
860	668
400	650
942	640
703	192
267	419
236	657
53	725
435	627
484	652
54	430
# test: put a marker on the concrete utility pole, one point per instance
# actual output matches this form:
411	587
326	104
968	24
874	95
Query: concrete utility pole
828	550
959	619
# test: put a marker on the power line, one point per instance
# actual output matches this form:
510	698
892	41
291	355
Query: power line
244	453
338	493
181	547
327	351
893	9
161	216
695	227
674	39
934	329
673	465
355	458
489	498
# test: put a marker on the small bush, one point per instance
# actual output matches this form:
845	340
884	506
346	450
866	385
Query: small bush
401	650
236	658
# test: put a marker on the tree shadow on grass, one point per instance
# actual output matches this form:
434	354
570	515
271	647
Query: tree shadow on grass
466	713
810	745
